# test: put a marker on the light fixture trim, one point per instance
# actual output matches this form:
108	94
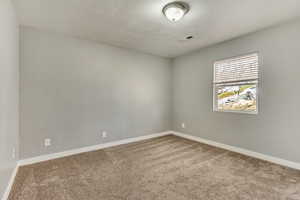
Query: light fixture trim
175	11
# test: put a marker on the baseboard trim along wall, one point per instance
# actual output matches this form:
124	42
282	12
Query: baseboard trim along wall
10	183
260	156
89	148
42	158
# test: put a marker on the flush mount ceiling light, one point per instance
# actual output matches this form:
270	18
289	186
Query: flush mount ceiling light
175	11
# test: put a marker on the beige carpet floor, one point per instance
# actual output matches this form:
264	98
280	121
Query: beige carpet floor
168	167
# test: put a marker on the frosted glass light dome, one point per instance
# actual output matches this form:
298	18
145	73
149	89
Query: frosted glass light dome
175	11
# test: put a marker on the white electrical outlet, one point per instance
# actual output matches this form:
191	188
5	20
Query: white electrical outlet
47	142
104	134
13	153
183	125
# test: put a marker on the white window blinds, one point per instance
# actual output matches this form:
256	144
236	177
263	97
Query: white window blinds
244	68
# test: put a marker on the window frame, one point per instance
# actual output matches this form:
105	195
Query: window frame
245	82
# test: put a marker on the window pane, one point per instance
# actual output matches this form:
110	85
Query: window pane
236	97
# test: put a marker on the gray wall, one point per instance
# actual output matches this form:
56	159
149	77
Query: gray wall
72	90
9	92
275	130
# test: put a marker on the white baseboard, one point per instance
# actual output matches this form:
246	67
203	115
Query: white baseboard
261	156
89	148
42	158
10	183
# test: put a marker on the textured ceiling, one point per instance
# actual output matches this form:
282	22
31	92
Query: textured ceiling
140	24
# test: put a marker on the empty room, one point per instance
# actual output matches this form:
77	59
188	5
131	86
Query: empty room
149	100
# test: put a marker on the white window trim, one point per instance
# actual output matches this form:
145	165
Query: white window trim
258	87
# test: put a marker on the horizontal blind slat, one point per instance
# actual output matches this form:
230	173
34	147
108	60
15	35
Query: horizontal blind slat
236	69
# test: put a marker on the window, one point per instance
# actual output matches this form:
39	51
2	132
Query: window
235	84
